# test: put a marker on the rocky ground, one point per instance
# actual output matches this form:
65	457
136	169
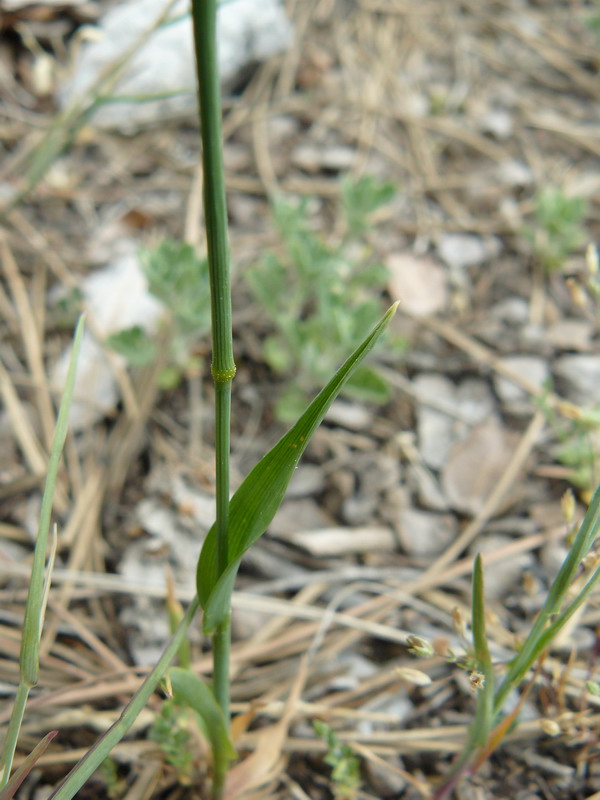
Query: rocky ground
484	116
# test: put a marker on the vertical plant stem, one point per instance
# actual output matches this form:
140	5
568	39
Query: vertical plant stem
223	365
221	646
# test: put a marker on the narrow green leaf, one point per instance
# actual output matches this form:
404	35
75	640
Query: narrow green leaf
134	345
192	691
32	624
555	627
28	764
256	501
478	600
584	539
484	715
100	750
35	608
586	535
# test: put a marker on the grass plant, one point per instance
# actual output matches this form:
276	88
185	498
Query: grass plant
571	588
239	521
242	519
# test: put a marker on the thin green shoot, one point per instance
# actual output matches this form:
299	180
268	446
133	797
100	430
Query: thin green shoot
344	763
491	724
204	16
536	640
29	657
484	716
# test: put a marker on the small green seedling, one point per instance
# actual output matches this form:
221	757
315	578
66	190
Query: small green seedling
114	785
492	723
592	22
579	451
577	444
332	290
345	766
557	230
170	732
179	279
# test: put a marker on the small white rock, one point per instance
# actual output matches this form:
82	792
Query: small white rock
434	427
420	283
475	466
571	334
512	311
249	31
423	533
532	368
116	298
343	541
498	122
462	250
353	416
579	378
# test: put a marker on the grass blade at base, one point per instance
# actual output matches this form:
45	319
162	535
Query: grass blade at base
100	750
29	656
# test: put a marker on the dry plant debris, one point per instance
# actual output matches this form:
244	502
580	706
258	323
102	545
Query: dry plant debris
472	109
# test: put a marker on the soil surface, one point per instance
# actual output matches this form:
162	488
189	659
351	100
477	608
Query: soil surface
485	117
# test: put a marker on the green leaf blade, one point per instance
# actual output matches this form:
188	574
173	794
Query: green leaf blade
191	690
484	715
13	786
134	345
255	503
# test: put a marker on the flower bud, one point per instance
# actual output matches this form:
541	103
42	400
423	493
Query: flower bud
417	646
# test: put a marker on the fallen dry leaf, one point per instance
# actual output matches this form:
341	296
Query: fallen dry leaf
255	770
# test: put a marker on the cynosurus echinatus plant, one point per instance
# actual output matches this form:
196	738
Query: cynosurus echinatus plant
240	521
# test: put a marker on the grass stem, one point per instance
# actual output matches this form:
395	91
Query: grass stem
223	366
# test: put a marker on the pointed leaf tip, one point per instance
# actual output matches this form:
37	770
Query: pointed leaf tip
256	501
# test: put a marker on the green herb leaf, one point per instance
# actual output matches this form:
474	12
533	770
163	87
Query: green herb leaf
179	278
256	501
368	385
361	198
190	690
134	345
